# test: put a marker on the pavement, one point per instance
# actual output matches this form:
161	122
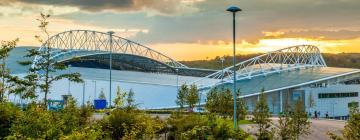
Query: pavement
319	128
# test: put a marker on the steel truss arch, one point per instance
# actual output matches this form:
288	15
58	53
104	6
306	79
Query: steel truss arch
74	43
286	59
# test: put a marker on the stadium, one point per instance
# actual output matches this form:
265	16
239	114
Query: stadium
286	75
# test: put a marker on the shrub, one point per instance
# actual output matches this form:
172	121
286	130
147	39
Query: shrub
8	114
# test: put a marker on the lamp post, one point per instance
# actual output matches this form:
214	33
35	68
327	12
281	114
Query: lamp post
177	79
233	10
222	59
110	65
83	95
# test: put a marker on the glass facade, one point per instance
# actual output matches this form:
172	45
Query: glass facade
338	95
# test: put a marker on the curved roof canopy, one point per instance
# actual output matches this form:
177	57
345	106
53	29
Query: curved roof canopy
80	43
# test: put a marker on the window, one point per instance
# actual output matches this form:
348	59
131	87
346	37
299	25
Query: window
338	95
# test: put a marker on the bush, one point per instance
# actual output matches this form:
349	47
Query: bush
8	114
130	124
36	123
209	126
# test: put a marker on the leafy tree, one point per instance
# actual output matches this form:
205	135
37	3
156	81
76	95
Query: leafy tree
181	96
102	94
300	124
193	97
6	47
295	123
212	101
130	101
120	98
285	126
226	104
41	73
241	107
352	127
262	117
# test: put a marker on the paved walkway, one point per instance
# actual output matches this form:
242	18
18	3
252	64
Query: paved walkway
319	128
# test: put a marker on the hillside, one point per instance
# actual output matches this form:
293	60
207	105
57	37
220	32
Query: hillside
345	60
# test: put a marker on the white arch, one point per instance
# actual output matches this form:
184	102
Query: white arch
290	58
86	42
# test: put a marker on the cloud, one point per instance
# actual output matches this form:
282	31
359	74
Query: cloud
165	7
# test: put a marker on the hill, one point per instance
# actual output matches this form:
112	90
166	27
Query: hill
345	60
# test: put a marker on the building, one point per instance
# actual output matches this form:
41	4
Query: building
287	75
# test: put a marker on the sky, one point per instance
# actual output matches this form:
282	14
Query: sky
195	29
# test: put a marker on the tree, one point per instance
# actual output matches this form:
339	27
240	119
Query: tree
241	107
311	102
212	101
285	126
180	98
130	99
352	127
193	97
102	94
6	47
120	98
225	102
41	73
262	117
300	124
294	124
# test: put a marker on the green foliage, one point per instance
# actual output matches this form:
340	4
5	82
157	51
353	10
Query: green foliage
130	101
198	127
44	79
284	126
8	114
6	47
120	98
181	96
262	118
131	124
193	97
93	132
221	102
352	127
295	123
73	117
36	123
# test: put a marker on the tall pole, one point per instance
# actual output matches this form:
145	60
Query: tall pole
83	95
110	65
234	9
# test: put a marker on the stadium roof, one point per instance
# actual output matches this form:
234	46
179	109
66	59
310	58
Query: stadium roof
291	79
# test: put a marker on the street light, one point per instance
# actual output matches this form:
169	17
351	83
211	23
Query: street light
110	65
177	79
222	59
233	10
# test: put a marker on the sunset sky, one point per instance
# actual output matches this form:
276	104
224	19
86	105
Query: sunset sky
195	29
